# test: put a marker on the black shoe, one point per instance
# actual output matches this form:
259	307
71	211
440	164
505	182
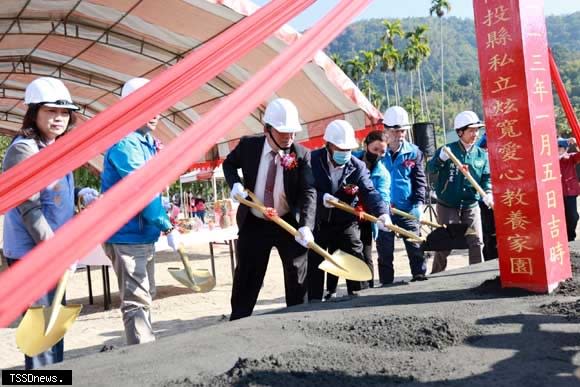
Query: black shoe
329	297
419	277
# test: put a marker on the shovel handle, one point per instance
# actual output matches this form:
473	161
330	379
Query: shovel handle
186	264
257	204
366	216
409	216
60	289
465	171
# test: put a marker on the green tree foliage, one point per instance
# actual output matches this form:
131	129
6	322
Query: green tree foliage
462	83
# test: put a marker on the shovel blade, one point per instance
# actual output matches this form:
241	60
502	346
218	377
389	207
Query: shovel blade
354	269
30	335
203	281
450	237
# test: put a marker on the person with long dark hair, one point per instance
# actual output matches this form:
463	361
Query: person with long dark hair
50	116
375	147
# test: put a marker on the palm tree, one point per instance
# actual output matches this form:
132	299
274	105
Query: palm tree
369	64
355	69
439	7
390	56
416	51
336	58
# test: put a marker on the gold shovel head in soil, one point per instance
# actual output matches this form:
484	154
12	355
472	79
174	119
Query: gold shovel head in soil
357	269
198	280
30	335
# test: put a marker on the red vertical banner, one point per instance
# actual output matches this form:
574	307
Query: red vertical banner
523	153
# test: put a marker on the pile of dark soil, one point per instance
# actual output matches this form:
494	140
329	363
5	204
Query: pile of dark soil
312	368
395	332
570	287
571	310
493	287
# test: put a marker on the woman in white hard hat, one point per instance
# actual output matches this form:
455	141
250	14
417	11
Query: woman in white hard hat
279	173
49	116
457	200
338	175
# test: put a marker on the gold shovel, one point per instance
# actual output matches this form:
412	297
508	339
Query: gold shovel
42	327
339	263
198	280
396	229
413	217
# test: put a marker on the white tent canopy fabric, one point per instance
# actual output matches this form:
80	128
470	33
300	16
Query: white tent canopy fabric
95	46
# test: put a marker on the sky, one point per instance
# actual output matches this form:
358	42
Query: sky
402	9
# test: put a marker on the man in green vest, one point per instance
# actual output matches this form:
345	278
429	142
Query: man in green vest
457	200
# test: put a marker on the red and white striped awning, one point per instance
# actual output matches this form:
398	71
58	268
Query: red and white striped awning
94	46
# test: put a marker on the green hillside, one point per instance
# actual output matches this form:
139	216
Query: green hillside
461	67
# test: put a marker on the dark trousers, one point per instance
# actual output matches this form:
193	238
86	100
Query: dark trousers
366	237
255	241
56	353
331	237
571	212
488	232
414	252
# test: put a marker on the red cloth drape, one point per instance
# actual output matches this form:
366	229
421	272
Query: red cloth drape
108	127
564	99
40	269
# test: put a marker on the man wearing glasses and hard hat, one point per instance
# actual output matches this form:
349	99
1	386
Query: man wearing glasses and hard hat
457	200
340	176
279	173
404	161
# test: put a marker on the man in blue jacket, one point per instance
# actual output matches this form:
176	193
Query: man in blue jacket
338	175
132	247
404	161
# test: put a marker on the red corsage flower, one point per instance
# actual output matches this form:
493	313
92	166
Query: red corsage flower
158	144
289	161
350	189
409	163
270	212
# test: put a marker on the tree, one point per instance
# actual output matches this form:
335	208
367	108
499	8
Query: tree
416	51
440	7
369	64
389	56
355	70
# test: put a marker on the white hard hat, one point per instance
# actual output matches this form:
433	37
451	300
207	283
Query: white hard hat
49	92
467	118
133	84
396	117
341	134
282	115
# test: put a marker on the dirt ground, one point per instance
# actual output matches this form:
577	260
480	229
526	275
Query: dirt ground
459	328
175	309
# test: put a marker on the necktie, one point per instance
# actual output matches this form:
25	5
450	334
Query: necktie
270	181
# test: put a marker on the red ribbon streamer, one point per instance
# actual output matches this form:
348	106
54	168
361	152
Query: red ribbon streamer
564	99
96	135
40	269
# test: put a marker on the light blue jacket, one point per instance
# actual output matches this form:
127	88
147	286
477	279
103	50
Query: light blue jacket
46	211
381	179
128	155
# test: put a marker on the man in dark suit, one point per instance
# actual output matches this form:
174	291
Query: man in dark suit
279	173
338	175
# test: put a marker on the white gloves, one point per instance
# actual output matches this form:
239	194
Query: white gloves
384	221
305	236
417	211
174	239
87	195
443	156
326	198
488	200
238	189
